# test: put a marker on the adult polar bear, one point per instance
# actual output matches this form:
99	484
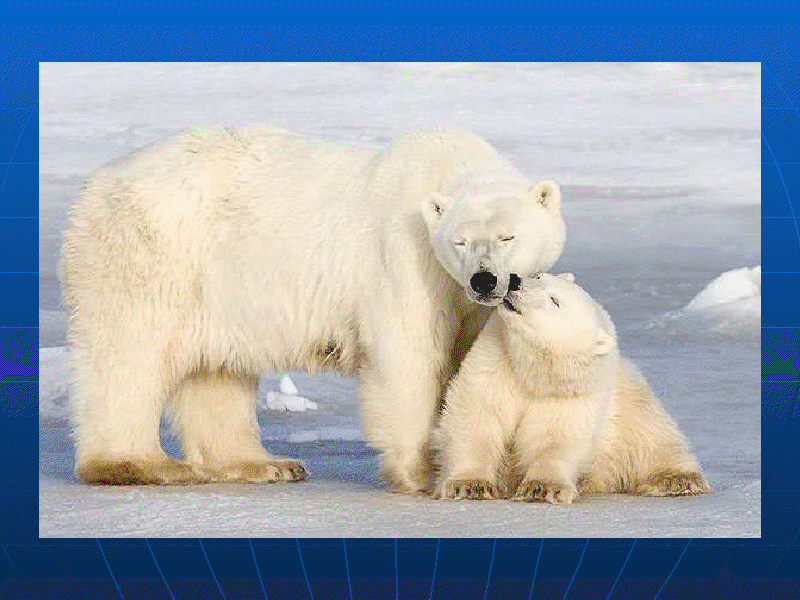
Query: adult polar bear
206	259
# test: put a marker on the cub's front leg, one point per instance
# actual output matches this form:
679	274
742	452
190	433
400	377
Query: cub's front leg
554	444
469	445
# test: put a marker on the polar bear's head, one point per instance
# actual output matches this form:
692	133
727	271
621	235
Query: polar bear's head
554	314
482	238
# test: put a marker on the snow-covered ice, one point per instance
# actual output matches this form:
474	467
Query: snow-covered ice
292	402
287	386
660	169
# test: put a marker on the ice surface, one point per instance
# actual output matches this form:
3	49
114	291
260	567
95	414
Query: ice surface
660	169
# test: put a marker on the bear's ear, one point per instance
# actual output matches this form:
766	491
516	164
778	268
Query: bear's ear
566	276
604	342
547	193
433	207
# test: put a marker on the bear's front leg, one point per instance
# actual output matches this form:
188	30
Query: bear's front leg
398	410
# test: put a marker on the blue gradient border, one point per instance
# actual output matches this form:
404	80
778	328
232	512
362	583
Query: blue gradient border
360	568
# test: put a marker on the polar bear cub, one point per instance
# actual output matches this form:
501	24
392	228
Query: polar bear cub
544	406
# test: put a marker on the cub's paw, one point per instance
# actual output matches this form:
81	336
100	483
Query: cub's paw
674	483
554	492
468	489
260	471
139	472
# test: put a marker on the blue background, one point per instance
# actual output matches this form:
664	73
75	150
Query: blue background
355	568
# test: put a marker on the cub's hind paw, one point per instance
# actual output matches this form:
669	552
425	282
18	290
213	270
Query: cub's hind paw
674	483
468	489
554	492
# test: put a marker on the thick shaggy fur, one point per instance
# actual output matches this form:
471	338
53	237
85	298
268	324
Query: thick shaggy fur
204	260
543	406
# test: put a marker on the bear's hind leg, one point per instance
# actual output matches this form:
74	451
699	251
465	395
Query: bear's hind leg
116	414
215	415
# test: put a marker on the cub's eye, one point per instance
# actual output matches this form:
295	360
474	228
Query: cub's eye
506	238
555	301
460	243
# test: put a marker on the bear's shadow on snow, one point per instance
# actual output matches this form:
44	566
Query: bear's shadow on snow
329	460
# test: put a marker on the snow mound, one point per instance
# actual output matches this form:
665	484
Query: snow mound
290	402
729	305
287	386
287	398
733	290
53	377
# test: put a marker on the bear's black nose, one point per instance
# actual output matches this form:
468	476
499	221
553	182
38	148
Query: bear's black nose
483	282
514	283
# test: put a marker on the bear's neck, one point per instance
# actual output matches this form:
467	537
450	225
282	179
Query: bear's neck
547	372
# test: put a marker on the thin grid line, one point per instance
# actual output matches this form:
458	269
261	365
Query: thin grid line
258	571
14	151
780	87
435	564
491	566
18	163
159	568
578	566
783	183
19	217
794	539
658	593
210	568
114	579
622	568
347	568
303	565
536	569
8	556
797	231
396	574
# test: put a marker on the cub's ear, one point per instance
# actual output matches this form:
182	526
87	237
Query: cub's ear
566	276
433	207
604	342
547	193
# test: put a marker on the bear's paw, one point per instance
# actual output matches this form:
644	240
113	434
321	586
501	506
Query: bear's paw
554	492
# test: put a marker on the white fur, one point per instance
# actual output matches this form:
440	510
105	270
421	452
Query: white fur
543	401
208	258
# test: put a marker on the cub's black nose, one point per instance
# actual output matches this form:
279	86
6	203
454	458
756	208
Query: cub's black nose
483	282
514	283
